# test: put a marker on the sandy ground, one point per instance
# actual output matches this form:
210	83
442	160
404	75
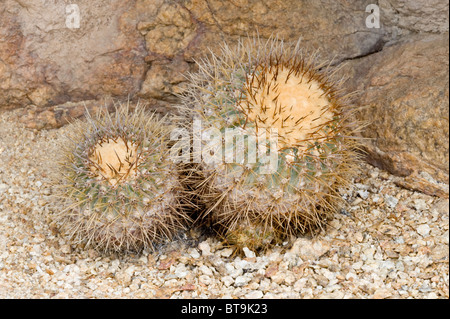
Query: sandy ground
388	243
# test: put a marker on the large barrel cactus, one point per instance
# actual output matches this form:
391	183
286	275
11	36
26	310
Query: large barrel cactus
273	141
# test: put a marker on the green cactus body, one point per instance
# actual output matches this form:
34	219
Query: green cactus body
118	186
257	88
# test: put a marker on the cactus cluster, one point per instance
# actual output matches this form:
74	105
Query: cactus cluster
120	190
271	146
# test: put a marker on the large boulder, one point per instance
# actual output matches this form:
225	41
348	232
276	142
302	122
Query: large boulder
47	59
404	97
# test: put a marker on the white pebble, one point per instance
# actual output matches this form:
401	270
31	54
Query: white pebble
423	229
194	253
363	193
391	201
420	204
248	253
254	295
241	281
205	248
205	270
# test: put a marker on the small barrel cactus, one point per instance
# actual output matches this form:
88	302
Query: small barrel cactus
271	95
118	187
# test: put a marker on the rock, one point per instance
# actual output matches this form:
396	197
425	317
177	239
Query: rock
205	248
423	229
35	117
382	293
441	206
391	201
164	80
417	16
47	60
271	270
227	280
194	253
178	33
206	280
254	295
420	204
363	193
405	96
124	277
206	270
232	271
309	249
226	252
248	253
241	281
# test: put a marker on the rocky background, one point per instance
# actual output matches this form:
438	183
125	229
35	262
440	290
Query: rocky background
50	69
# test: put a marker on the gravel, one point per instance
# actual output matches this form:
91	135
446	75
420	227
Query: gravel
388	243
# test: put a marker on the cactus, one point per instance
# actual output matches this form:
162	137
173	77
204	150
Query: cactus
252	90
118	187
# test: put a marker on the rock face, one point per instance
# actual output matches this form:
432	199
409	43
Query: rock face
46	58
141	49
417	16
405	96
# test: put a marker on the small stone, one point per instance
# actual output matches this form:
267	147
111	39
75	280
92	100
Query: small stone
309	249
423	229
227	280
241	281
420	204
205	248
363	193
233	272
382	293
254	295
240	263
226	252
123	278
271	270
439	252
374	173
391	201
359	236
66	249
206	280
181	271
279	277
193	253
351	276
248	253
206	270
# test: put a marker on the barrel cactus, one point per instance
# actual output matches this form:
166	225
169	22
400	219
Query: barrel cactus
272	95
118	188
